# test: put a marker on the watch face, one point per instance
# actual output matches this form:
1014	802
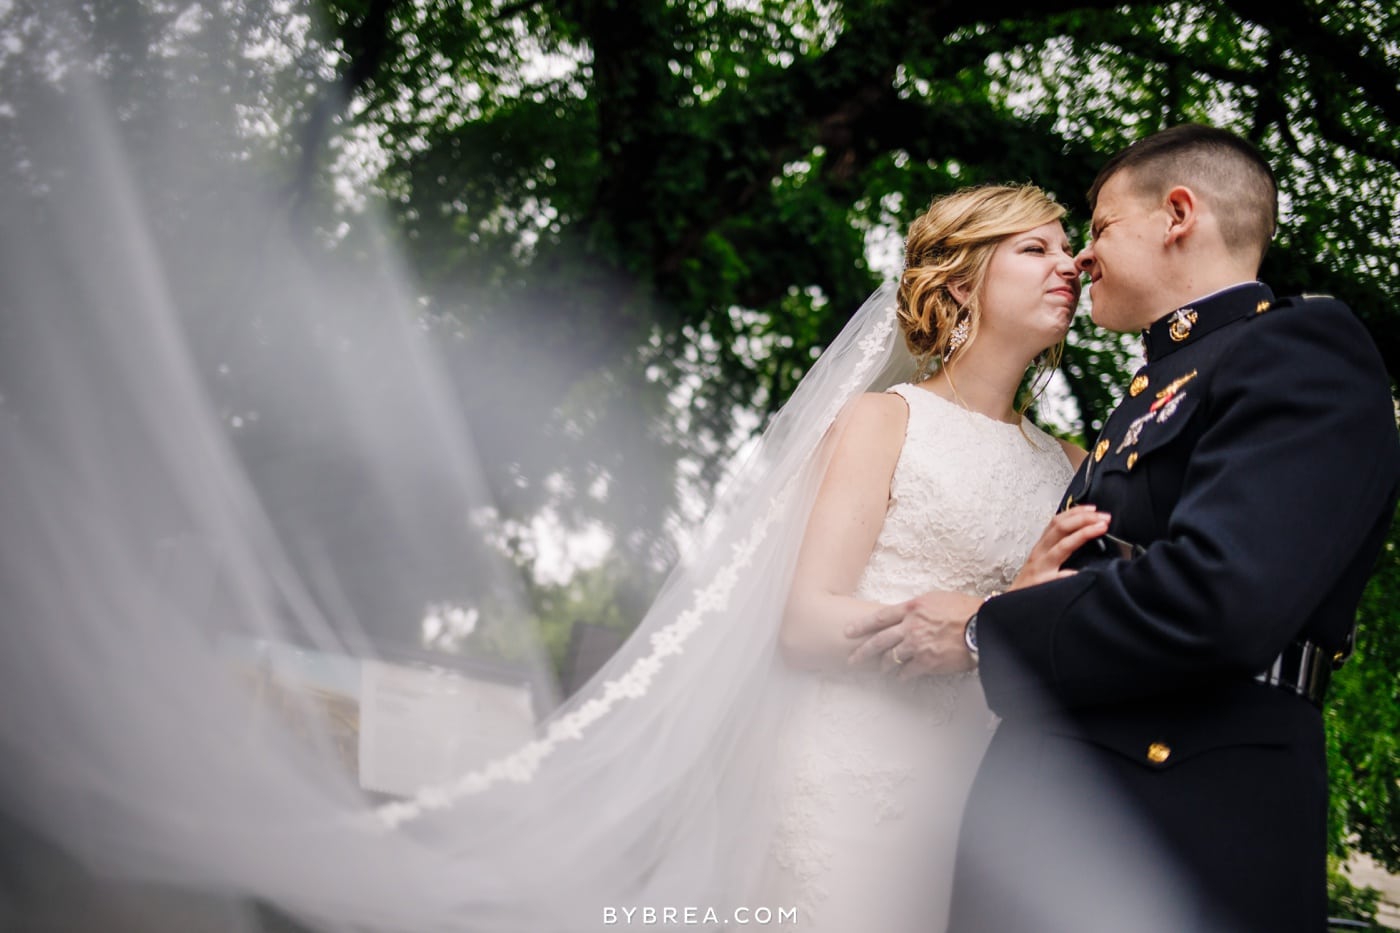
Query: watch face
970	636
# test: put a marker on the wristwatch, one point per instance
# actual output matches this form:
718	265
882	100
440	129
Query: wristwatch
970	631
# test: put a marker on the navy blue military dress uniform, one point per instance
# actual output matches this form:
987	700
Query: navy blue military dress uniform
1160	764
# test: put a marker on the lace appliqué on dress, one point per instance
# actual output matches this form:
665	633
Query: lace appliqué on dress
821	784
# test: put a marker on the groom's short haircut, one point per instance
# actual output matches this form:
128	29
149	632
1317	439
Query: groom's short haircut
1219	166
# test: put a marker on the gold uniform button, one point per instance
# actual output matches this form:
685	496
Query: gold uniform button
1158	752
1136	387
1132	459
1100	450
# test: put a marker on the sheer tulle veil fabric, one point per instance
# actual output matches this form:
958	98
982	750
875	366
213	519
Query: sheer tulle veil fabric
140	541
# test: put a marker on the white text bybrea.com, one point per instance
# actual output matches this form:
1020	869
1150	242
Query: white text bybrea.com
699	916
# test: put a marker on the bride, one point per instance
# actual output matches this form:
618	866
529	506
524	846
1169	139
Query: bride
936	485
730	757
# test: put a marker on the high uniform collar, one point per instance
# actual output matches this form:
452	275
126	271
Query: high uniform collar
1191	322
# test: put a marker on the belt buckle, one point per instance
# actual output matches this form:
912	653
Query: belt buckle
1299	669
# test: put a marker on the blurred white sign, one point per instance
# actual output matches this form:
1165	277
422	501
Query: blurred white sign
426	726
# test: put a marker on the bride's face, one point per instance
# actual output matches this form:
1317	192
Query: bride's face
1031	288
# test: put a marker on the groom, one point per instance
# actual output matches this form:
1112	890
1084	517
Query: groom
1160	765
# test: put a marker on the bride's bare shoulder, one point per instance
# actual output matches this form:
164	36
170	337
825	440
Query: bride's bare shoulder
871	427
876	413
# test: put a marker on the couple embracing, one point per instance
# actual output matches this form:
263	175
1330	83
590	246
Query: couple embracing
885	696
1159	660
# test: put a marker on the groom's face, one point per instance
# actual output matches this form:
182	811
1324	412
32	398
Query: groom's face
1124	257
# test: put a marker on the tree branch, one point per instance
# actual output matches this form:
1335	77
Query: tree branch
1303	31
782	114
366	49
511	9
1332	127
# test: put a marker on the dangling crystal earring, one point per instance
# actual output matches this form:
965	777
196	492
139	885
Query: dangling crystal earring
959	335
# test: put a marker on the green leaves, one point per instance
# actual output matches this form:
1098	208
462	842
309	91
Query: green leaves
1363	718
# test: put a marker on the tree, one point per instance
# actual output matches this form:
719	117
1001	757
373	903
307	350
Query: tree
644	195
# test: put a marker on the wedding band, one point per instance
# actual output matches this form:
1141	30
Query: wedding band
894	655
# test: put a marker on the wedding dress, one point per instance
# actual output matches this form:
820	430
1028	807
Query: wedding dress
875	772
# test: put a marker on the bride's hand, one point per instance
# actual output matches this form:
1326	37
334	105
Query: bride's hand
923	635
1067	532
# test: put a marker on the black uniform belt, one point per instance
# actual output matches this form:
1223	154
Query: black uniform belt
1303	668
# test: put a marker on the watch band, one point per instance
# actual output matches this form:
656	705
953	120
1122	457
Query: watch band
970	630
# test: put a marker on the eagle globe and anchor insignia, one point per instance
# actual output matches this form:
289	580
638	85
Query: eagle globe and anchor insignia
1182	320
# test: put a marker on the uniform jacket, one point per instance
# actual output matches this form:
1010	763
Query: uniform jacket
1142	779
1254	463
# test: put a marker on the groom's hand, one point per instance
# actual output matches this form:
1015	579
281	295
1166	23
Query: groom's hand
923	635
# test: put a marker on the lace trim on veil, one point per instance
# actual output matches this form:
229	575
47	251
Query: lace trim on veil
523	764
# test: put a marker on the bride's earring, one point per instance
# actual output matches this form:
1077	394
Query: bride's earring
958	337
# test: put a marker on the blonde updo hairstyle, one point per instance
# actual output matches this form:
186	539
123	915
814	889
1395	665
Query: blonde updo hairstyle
951	244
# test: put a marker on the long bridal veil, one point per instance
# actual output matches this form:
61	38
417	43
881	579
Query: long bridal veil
224	466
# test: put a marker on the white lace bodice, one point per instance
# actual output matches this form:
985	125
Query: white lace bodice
969	497
877	770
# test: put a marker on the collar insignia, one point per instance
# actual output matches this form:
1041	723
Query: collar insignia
1182	320
1181	328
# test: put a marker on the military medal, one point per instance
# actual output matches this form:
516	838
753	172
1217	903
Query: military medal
1130	437
1182	319
1165	397
1169	407
1163	408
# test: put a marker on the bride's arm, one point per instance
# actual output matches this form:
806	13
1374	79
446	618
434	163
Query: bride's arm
846	519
